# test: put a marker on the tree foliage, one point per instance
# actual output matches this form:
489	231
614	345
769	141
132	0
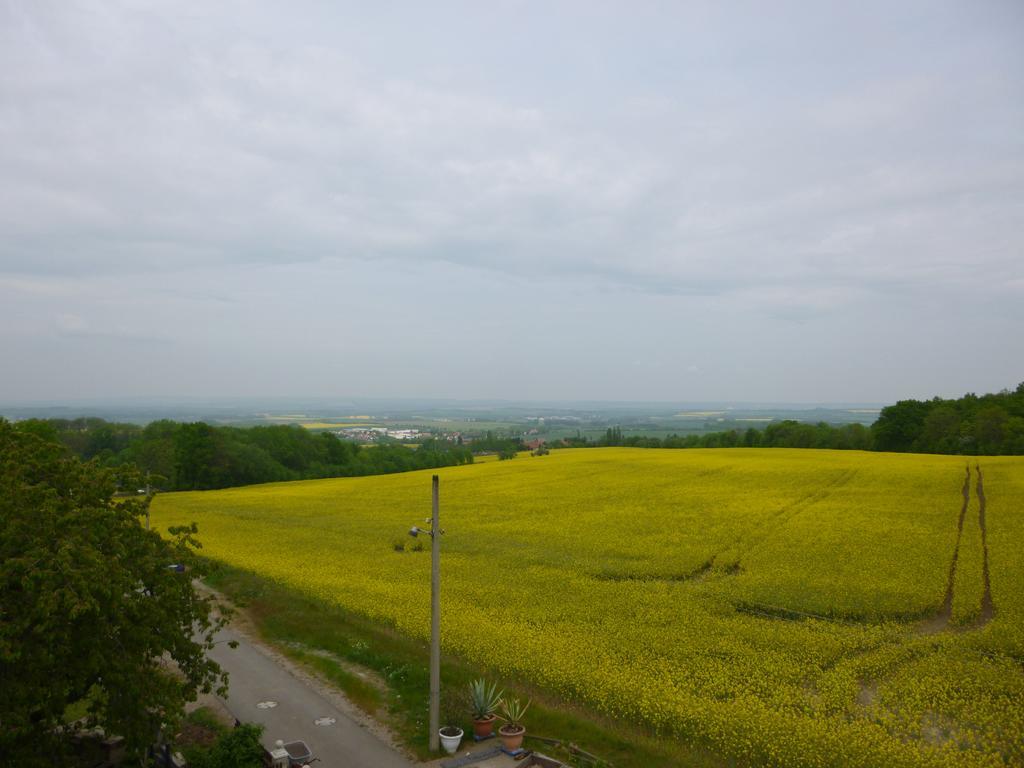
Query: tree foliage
782	434
972	425
499	443
90	611
237	748
199	456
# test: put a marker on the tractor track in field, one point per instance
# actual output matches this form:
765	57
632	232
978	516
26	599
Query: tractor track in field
668	578
745	543
867	687
988	609
941	620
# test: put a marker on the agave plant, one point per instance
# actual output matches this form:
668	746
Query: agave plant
484	698
512	712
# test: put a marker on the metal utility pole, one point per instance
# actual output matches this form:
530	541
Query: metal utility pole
435	624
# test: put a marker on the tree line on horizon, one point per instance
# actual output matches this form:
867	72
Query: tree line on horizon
973	425
197	456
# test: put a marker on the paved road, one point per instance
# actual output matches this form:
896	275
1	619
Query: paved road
256	677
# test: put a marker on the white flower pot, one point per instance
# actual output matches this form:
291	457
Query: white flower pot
451	743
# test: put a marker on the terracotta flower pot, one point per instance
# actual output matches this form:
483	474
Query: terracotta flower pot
484	727
511	737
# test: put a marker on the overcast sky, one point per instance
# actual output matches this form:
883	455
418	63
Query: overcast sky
560	200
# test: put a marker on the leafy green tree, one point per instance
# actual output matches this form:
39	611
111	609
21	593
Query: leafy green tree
790	434
290	445
613	436
1013	441
197	457
238	748
335	451
989	424
898	426
856	437
153	450
90	611
730	439
45	430
940	431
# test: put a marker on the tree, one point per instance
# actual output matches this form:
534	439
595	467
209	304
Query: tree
1014	440
898	426
238	748
940	432
613	436
989	423
197	457
90	611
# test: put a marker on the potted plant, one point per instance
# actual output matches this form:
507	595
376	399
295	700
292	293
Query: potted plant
513	731
451	737
484	700
453	705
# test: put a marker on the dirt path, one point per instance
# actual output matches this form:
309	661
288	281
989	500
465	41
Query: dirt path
988	609
941	620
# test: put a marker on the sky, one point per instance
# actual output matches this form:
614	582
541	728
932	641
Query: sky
678	201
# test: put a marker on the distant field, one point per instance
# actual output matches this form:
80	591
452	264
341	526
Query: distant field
792	608
412	422
337	424
456	425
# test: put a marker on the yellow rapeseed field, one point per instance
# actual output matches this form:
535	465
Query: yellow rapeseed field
790	607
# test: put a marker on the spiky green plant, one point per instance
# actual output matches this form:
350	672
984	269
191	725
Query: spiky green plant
513	711
484	698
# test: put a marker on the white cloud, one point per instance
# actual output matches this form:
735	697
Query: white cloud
742	171
73	324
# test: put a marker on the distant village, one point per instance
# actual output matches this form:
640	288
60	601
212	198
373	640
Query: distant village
375	434
530	438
